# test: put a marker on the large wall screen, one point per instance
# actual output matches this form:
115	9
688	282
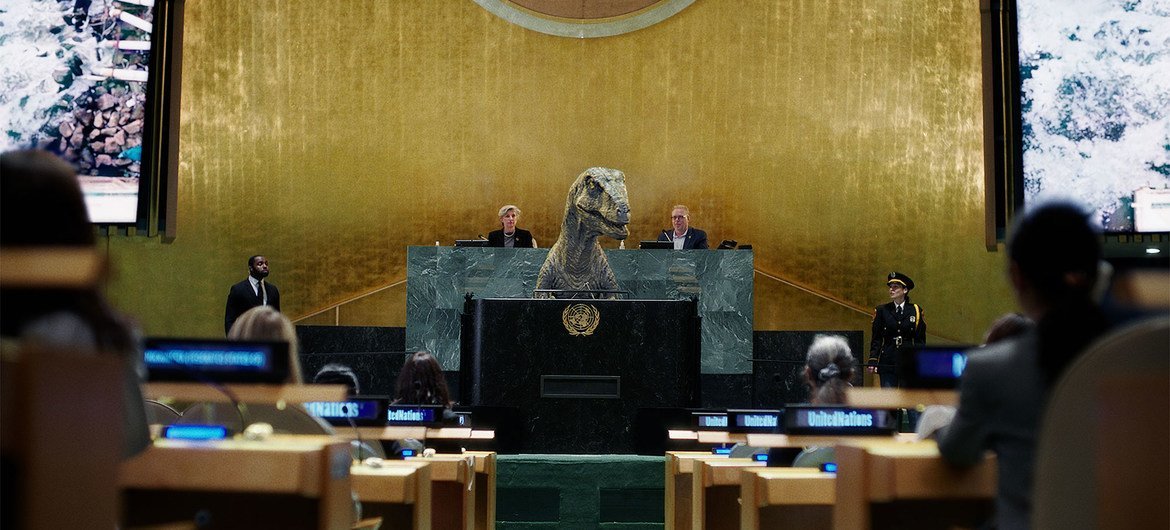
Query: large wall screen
1095	106
73	80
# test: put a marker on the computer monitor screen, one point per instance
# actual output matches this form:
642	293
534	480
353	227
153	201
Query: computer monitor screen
471	242
836	421
221	361
361	411
932	366
661	245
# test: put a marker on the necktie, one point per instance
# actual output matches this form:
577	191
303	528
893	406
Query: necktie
262	293
899	312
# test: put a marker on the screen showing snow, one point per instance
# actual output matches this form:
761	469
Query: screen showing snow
73	81
1095	90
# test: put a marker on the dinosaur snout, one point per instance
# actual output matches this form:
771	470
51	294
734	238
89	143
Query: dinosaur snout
623	214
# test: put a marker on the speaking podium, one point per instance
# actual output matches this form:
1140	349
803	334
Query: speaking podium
577	371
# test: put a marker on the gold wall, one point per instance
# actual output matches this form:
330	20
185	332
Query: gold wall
841	138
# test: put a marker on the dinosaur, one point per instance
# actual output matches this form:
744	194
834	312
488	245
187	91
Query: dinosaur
597	205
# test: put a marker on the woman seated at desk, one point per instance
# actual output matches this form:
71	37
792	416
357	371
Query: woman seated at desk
508	235
828	369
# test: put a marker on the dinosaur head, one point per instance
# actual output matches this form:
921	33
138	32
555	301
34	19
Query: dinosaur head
599	198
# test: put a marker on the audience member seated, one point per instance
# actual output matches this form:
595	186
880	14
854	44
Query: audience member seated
421	382
42	206
262	323
828	369
338	374
1053	265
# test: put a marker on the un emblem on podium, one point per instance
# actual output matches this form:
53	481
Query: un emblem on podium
580	319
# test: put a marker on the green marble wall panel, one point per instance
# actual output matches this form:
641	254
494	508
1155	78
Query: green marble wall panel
438	278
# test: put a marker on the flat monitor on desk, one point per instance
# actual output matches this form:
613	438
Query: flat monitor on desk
933	367
659	245
471	242
216	360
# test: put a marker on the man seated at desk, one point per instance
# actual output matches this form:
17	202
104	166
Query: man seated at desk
683	235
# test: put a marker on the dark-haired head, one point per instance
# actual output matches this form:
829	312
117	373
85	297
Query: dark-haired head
42	206
338	374
421	382
1054	252
42	203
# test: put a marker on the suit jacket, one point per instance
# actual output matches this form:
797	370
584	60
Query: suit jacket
242	297
1001	400
888	327
695	238
523	238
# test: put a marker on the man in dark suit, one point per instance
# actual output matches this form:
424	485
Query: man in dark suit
252	292
683	235
896	324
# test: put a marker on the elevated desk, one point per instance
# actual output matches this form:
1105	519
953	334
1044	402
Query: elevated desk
285	483
878	485
579	370
800	498
437	278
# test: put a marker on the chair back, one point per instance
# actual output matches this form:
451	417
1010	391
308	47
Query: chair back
158	413
1102	458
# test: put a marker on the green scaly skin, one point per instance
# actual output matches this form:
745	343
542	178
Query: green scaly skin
597	205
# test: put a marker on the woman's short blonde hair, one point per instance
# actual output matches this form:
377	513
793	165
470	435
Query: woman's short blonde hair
504	210
265	323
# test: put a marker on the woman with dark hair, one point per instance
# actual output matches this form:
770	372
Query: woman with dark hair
1053	258
421	382
42	207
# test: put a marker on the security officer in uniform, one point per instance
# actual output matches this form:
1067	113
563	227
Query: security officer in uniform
895	324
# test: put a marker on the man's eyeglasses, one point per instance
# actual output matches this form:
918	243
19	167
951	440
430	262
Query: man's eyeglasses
678	217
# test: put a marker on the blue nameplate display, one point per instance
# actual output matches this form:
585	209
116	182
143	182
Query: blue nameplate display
218	361
365	412
414	415
195	432
765	421
710	421
813	420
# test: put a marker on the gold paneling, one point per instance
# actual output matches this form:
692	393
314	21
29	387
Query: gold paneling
842	138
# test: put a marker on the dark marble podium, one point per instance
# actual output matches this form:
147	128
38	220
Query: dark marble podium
578	371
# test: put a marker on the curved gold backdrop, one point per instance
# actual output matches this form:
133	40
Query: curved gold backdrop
841	138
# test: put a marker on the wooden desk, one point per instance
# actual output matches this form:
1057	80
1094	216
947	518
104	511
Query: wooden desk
679	474
283	483
397	492
417	433
872	477
899	398
715	492
786	497
453	492
245	393
485	489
